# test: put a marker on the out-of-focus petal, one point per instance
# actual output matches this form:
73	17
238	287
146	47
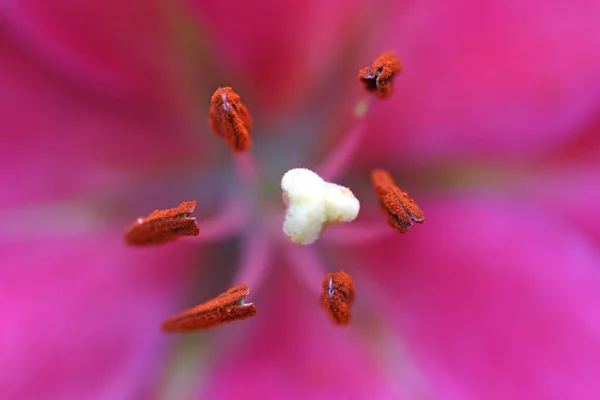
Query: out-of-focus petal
292	350
136	51
495	299
569	191
488	78
565	182
280	49
59	140
81	317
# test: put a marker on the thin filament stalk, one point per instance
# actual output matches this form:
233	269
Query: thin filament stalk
335	164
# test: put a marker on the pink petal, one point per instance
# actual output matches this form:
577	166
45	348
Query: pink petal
488	78
280	50
565	182
59	140
569	191
81	317
127	49
291	350
495	299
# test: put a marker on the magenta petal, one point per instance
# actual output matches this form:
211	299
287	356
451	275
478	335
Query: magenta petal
496	300
128	49
81	318
280	48
570	191
291	350
487	78
59	140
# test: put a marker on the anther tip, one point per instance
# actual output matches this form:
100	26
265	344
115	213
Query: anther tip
378	77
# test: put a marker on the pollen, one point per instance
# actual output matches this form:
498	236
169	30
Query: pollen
401	210
378	77
230	119
338	295
313	203
226	307
164	225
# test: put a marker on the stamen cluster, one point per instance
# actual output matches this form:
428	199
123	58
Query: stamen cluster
312	204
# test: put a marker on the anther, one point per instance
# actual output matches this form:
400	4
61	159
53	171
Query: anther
402	211
230	119
378	77
164	225
226	307
338	295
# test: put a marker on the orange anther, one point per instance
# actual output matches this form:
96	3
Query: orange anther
401	209
164	225
378	77
226	307
338	295
230	119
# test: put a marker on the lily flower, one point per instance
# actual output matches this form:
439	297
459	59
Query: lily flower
486	133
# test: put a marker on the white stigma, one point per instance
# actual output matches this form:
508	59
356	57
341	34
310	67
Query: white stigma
312	203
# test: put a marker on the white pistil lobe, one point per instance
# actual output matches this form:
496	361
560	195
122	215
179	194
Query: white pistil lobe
313	203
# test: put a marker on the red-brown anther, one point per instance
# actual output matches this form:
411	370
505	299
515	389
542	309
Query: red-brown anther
164	225
230	119
226	307
378	78
401	209
338	295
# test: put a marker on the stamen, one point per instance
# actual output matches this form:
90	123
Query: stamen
338	296
313	203
164	225
230	119
255	257
306	264
359	233
225	223
226	307
401	209
378	78
336	163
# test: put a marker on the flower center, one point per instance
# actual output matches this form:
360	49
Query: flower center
312	204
